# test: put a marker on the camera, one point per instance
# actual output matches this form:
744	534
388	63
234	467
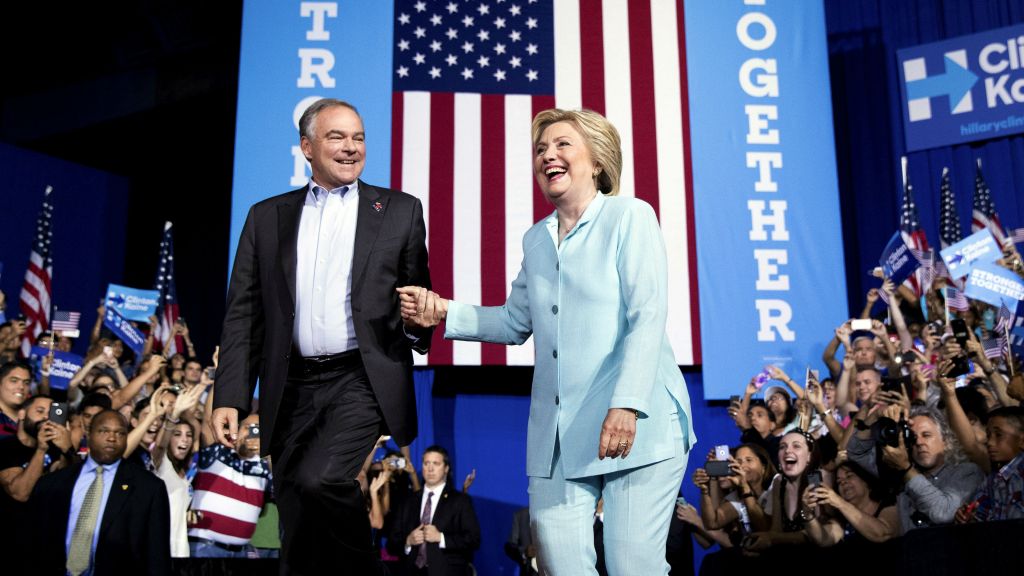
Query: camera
889	431
398	463
717	468
58	413
254	430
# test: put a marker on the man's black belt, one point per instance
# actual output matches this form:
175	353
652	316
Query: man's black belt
228	547
311	365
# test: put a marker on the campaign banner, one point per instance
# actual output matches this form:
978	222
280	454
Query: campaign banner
132	303
994	285
771	278
963	89
897	261
64	367
980	247
123	329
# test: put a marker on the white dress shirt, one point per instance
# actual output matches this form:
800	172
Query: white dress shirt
323	279
437	491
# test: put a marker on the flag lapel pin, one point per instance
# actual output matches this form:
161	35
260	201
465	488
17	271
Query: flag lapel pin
124	487
378	206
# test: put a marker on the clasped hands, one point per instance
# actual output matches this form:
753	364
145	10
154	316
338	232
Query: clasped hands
423	533
421	308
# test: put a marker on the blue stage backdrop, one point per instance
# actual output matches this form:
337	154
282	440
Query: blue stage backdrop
89	223
766	199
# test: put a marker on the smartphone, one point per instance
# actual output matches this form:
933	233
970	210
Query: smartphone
722	453
58	413
211	373
814	478
254	430
717	468
180	320
959	328
761	379
681	501
860	324
108	351
734	400
896	384
398	463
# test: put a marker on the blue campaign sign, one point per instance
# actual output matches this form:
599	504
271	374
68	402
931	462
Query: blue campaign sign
962	257
897	261
995	285
766	202
963	89
123	329
64	367
132	303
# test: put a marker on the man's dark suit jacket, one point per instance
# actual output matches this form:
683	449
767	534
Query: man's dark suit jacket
455	518
256	341
135	534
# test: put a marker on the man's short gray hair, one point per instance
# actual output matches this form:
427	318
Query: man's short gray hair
308	117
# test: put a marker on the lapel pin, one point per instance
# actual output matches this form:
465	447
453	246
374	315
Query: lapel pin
378	206
124	486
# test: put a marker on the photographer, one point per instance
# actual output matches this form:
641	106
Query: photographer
38	447
866	514
934	477
751	475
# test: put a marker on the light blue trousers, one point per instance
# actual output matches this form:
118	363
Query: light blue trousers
638	506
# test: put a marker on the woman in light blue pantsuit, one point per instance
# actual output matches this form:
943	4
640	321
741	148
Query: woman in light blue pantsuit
609	413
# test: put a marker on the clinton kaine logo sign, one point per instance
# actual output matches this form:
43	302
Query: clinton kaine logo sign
964	89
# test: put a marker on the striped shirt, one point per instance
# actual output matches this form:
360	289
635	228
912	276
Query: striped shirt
229	492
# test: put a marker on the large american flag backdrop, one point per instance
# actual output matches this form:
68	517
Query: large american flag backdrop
447	90
467	79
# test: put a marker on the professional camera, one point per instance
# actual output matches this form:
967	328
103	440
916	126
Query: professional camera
888	432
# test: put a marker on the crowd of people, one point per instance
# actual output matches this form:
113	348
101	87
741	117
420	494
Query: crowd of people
146	420
913	423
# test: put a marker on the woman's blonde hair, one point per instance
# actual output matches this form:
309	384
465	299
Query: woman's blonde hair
601	137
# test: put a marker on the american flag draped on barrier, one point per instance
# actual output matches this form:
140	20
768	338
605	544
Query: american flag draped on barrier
468	79
34	299
167	312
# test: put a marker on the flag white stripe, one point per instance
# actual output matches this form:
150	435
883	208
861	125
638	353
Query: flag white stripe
671	177
618	86
518	201
416	162
466	235
568	67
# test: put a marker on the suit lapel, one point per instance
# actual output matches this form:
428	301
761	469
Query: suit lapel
289	211
442	506
120	492
372	208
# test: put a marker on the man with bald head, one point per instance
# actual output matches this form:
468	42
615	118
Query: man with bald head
104	516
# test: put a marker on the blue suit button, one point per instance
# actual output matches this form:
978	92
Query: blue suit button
554	309
554	353
556	399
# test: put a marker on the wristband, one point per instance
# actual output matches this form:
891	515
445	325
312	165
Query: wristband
746	495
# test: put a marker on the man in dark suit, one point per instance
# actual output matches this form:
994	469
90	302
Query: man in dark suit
312	312
437	530
107	515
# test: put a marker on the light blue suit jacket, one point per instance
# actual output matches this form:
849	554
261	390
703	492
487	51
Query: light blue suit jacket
596	306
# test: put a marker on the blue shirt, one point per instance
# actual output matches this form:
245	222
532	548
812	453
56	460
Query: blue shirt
85	479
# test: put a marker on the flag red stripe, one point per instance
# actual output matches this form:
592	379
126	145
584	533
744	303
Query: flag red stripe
492	213
691	234
541	207
215	484
592	54
41	274
226	525
645	134
397	125
442	186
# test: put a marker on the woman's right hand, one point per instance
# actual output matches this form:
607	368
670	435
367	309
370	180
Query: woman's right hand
701	479
421	307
